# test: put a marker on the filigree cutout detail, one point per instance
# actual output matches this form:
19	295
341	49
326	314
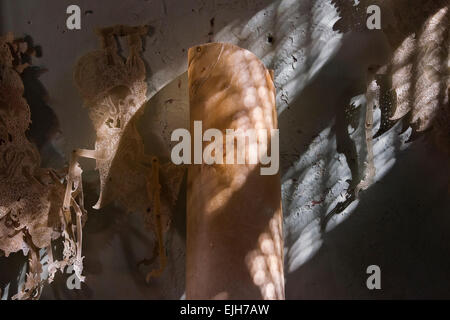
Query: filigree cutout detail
114	91
31	197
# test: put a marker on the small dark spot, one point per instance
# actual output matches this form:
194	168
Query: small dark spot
179	84
38	51
270	39
10	137
210	33
169	101
88	12
211	22
149	209
29	22
183	50
109	122
8	223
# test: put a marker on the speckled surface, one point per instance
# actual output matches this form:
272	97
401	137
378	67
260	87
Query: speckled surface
401	223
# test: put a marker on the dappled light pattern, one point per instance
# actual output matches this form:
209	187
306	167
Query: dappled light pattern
432	81
32	211
417	78
294	38
319	50
402	76
419	66
420	73
264	263
418	69
234	220
319	185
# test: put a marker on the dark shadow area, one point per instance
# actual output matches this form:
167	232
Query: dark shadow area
44	125
105	229
409	242
10	272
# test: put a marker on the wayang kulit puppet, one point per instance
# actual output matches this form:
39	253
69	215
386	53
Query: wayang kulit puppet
37	205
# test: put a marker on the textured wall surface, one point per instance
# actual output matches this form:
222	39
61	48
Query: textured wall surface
400	223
